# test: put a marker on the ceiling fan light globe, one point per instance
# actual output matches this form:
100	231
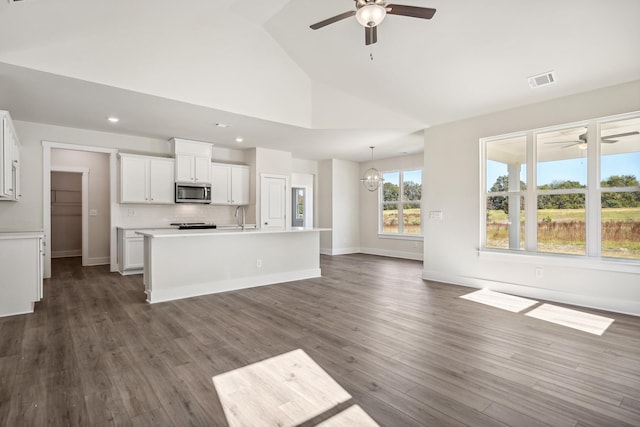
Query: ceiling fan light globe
371	15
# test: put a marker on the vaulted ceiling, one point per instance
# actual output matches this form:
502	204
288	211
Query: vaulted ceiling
177	68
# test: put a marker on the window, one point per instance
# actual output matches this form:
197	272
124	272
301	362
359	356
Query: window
505	193
561	190
565	190
620	188
401	206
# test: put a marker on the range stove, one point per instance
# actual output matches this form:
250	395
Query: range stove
193	225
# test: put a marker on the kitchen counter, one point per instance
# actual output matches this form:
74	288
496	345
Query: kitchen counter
160	227
21	234
186	263
222	231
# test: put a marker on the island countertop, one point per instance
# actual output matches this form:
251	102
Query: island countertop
223	232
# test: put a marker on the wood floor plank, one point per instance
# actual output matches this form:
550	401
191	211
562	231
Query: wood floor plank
409	352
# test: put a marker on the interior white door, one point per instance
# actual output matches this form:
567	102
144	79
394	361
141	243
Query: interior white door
273	202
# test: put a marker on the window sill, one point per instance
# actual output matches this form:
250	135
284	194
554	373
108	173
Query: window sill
413	237
571	261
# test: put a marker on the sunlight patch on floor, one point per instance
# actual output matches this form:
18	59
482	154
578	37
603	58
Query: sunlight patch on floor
500	300
575	319
350	417
285	390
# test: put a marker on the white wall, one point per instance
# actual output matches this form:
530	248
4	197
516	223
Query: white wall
451	185
370	243
240	68
324	206
338	197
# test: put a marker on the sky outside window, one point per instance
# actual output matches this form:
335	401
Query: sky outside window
573	169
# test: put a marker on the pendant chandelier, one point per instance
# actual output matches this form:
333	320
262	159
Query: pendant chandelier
372	178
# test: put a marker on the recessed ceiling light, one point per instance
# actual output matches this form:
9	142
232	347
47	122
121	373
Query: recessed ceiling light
238	139
113	119
223	125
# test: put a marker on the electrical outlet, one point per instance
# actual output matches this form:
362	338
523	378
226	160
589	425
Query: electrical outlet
131	212
258	263
435	215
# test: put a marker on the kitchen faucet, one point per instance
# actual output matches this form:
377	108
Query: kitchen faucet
243	216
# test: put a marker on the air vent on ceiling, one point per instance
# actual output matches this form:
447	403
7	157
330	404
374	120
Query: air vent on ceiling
542	79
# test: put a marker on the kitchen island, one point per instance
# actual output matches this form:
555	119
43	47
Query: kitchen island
187	263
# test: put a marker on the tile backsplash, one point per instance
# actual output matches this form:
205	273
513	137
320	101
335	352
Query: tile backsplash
132	215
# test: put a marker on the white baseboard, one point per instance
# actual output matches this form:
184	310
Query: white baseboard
596	302
417	256
161	295
130	272
15	311
66	254
342	251
97	261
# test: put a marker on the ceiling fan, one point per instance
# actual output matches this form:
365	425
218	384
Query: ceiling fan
370	14
581	142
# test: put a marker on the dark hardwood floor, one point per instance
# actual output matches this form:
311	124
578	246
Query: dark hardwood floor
410	352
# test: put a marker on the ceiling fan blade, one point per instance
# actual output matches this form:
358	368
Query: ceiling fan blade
331	20
620	135
370	35
413	11
565	142
573	144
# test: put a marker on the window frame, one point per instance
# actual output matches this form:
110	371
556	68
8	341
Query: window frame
401	235
592	193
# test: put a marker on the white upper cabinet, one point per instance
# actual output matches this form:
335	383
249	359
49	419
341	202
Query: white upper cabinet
161	181
230	184
239	185
193	161
192	168
220	189
146	179
9	160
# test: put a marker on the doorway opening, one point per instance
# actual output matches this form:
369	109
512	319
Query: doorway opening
302	196
297	206
69	193
98	203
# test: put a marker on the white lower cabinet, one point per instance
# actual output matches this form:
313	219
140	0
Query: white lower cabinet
230	184
21	264
130	252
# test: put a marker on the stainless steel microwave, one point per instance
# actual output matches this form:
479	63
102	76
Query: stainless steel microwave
188	192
